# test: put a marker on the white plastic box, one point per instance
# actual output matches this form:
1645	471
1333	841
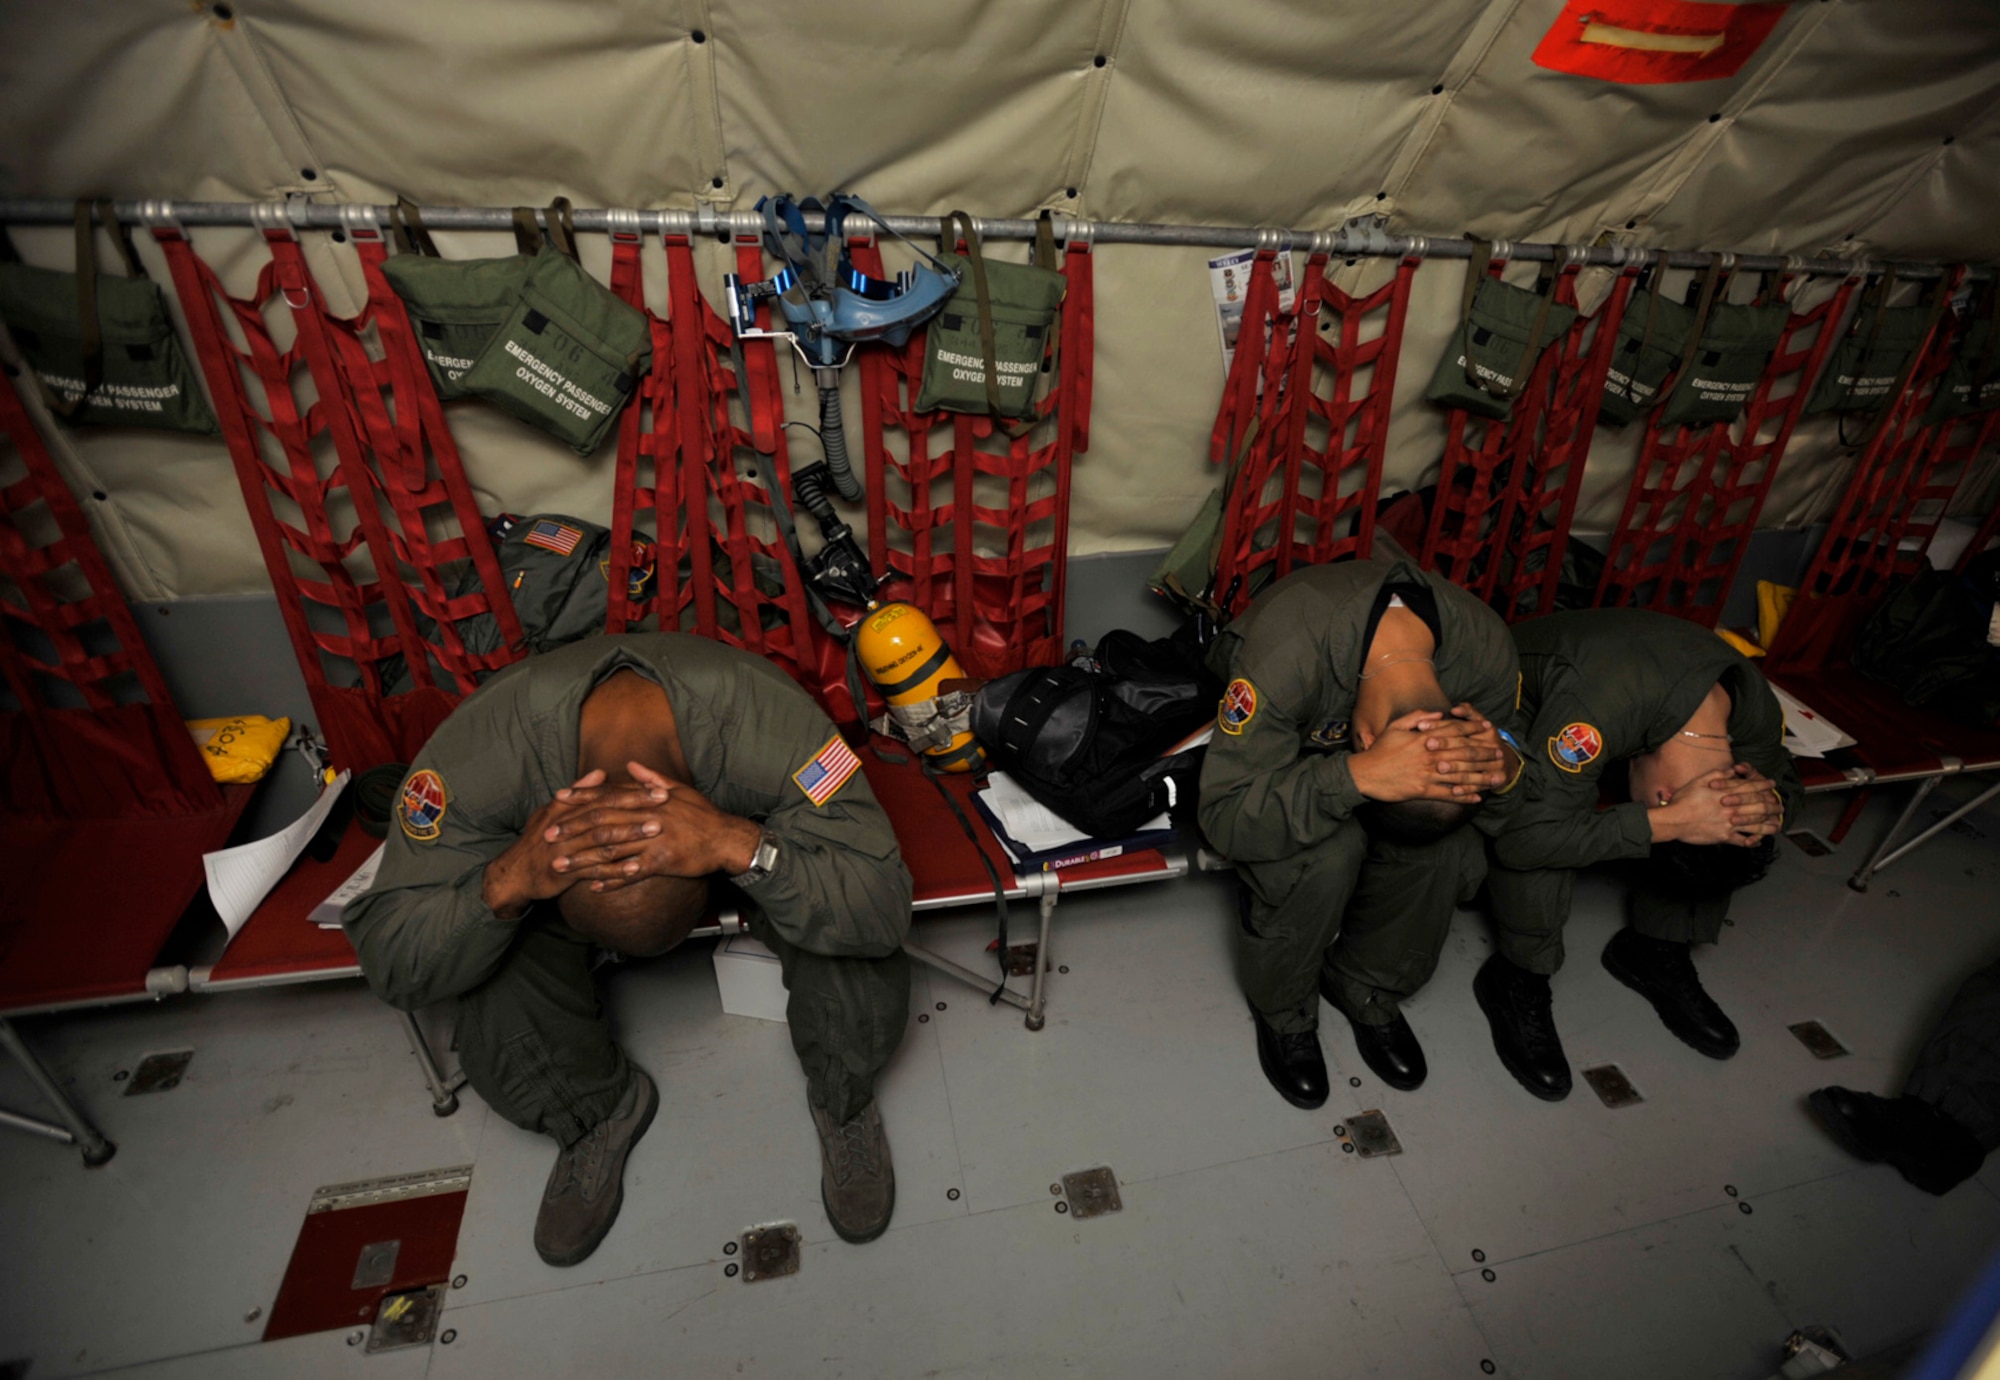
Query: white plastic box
750	979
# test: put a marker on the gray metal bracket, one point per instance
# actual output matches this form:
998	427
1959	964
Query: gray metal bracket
76	1129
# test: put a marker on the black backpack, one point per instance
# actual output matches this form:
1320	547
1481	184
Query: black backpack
1086	739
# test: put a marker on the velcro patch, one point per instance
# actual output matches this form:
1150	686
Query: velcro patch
1576	747
558	537
1238	708
828	771
422	806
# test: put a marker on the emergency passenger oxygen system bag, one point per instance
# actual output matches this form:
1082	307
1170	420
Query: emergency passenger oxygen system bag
1652	340
1971	383
986	346
1498	342
1873	358
1086	739
103	349
1725	362
537	337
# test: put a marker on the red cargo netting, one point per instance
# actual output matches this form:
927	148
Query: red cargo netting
1697	491
87	728
977	522
1899	492
721	568
95	763
1500	521
347	623
1306	405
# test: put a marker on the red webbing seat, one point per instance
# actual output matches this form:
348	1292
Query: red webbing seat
976	522
1318	395
278	942
346	613
1902	484
106	804
1500	521
1698	491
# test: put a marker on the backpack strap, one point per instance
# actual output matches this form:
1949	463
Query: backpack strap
527	231
406	223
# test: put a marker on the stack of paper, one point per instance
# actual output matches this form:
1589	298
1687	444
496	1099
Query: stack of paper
240	878
1808	733
1034	835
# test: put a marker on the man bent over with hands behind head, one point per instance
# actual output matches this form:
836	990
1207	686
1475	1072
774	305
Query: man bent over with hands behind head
1668	710
1360	730
589	796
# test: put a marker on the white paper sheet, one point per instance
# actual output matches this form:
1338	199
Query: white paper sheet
328	912
1808	733
1032	824
240	878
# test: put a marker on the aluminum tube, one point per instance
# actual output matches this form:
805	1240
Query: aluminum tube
14	1121
1353	241
96	1149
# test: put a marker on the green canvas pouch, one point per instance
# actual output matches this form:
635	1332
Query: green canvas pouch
103	349
1872	360
1972	381
1724	362
1186	574
1499	340
457	306
1652	337
568	356
985	348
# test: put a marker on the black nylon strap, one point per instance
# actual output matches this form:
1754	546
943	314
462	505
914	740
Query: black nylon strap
930	664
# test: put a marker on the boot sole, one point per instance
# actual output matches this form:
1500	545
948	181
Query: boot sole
1829	1120
584	1251
1624	975
1493	1024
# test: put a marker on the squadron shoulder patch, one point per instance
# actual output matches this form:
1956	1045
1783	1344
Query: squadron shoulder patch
1576	747
1238	707
828	771
422	806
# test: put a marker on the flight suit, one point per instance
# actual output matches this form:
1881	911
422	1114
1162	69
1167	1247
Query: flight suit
1599	686
532	1035
1278	800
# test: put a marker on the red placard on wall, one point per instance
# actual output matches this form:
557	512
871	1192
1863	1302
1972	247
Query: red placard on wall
1646	42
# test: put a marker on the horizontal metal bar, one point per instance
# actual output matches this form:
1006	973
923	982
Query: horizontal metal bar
202	980
1360	239
983	981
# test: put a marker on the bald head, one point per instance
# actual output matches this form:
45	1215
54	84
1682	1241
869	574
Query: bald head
646	918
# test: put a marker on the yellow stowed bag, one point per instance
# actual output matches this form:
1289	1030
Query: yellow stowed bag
241	749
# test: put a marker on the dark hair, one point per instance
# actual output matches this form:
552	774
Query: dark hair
643	919
1412	822
1706	871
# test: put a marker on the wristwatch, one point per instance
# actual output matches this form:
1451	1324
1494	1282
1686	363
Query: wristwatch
762	863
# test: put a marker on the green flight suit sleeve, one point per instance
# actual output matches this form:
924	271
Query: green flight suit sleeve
423	931
839	888
1556	823
1262	799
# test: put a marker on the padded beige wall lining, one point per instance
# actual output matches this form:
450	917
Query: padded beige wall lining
1256	113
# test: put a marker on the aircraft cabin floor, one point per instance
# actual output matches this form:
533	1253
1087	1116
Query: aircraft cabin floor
1681	1237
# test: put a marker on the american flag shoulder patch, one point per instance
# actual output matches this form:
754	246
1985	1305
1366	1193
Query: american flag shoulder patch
558	537
828	771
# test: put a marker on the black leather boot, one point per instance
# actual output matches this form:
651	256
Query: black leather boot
1927	1147
1518	1009
1293	1063
1661	971
1393	1052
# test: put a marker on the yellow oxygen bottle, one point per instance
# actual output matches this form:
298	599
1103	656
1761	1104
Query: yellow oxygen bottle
906	657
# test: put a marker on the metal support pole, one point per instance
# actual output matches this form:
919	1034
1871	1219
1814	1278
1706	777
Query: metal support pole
1954	817
444	1091
1859	881
96	1149
963	974
1037	997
